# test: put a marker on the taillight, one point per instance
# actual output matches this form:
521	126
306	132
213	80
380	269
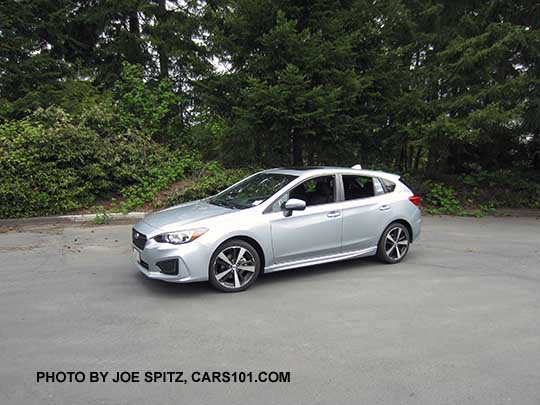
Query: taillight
415	199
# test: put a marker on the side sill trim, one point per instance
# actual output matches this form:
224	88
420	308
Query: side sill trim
321	260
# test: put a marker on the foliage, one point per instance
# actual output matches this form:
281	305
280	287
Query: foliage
213	179
443	197
160	174
149	107
106	97
478	194
508	188
426	86
102	217
52	162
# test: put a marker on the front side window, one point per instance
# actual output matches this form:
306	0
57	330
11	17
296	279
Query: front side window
360	187
278	204
252	191
316	191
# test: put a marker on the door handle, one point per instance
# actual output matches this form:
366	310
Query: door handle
333	214
384	207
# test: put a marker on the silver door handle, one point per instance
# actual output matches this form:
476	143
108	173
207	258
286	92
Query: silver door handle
384	207
333	214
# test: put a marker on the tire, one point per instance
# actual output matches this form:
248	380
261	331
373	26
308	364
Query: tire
394	243
234	266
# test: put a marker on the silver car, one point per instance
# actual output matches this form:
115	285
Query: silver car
279	219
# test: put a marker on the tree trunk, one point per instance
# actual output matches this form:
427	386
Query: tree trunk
417	159
410	156
433	157
535	152
297	146
134	53
402	157
134	26
161	17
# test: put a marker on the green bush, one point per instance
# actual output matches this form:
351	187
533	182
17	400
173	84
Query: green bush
52	162
160	174
149	106
213	179
443	198
508	189
49	165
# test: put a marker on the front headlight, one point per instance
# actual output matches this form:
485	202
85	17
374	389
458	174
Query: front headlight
180	237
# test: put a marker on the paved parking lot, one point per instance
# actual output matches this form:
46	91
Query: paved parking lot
458	322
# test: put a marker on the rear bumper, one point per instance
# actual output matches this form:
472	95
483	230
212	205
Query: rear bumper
416	225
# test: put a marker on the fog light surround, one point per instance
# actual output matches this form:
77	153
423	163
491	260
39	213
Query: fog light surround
169	267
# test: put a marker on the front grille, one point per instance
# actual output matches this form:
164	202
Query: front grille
138	239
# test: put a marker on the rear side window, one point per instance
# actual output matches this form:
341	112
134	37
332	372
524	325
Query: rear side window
377	185
389	185
360	187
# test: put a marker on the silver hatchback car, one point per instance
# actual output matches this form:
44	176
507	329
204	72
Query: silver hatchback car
279	219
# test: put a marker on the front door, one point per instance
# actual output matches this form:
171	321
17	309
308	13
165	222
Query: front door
314	232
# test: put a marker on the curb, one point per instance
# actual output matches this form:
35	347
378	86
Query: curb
71	218
113	216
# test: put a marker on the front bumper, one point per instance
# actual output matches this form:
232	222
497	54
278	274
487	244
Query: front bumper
193	259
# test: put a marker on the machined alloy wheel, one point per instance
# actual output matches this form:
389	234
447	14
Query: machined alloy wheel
394	243
234	266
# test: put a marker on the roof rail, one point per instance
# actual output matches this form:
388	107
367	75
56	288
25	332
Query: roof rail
357	167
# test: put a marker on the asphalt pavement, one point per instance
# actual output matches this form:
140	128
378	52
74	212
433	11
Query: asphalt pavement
457	322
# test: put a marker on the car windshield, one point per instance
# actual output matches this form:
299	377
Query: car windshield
252	191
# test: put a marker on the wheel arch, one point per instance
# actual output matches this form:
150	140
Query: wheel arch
256	245
405	223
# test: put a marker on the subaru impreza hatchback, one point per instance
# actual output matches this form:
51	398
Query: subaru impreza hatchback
279	219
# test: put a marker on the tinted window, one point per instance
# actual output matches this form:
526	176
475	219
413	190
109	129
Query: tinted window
316	191
389	185
377	185
252	191
359	187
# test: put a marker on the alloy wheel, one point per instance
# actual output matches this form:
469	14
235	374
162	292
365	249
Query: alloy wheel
234	267
396	243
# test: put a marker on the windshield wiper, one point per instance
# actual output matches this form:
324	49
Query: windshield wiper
222	203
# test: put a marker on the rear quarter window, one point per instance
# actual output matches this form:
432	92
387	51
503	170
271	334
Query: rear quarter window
390	186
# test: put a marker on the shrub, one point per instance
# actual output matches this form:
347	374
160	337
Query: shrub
443	198
49	165
52	162
213	179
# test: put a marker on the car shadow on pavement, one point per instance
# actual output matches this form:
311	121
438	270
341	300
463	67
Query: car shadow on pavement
319	271
175	290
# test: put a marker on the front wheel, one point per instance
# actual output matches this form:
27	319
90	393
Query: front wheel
394	243
234	266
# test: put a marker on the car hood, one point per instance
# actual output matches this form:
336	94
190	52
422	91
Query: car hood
184	214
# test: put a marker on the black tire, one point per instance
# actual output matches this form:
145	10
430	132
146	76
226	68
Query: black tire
229	273
394	252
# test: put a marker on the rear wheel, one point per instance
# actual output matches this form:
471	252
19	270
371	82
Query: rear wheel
394	243
234	266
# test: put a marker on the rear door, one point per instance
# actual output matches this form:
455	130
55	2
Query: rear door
365	212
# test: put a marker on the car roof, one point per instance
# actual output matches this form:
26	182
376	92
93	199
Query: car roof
309	171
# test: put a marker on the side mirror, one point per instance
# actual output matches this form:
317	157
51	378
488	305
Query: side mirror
294	204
